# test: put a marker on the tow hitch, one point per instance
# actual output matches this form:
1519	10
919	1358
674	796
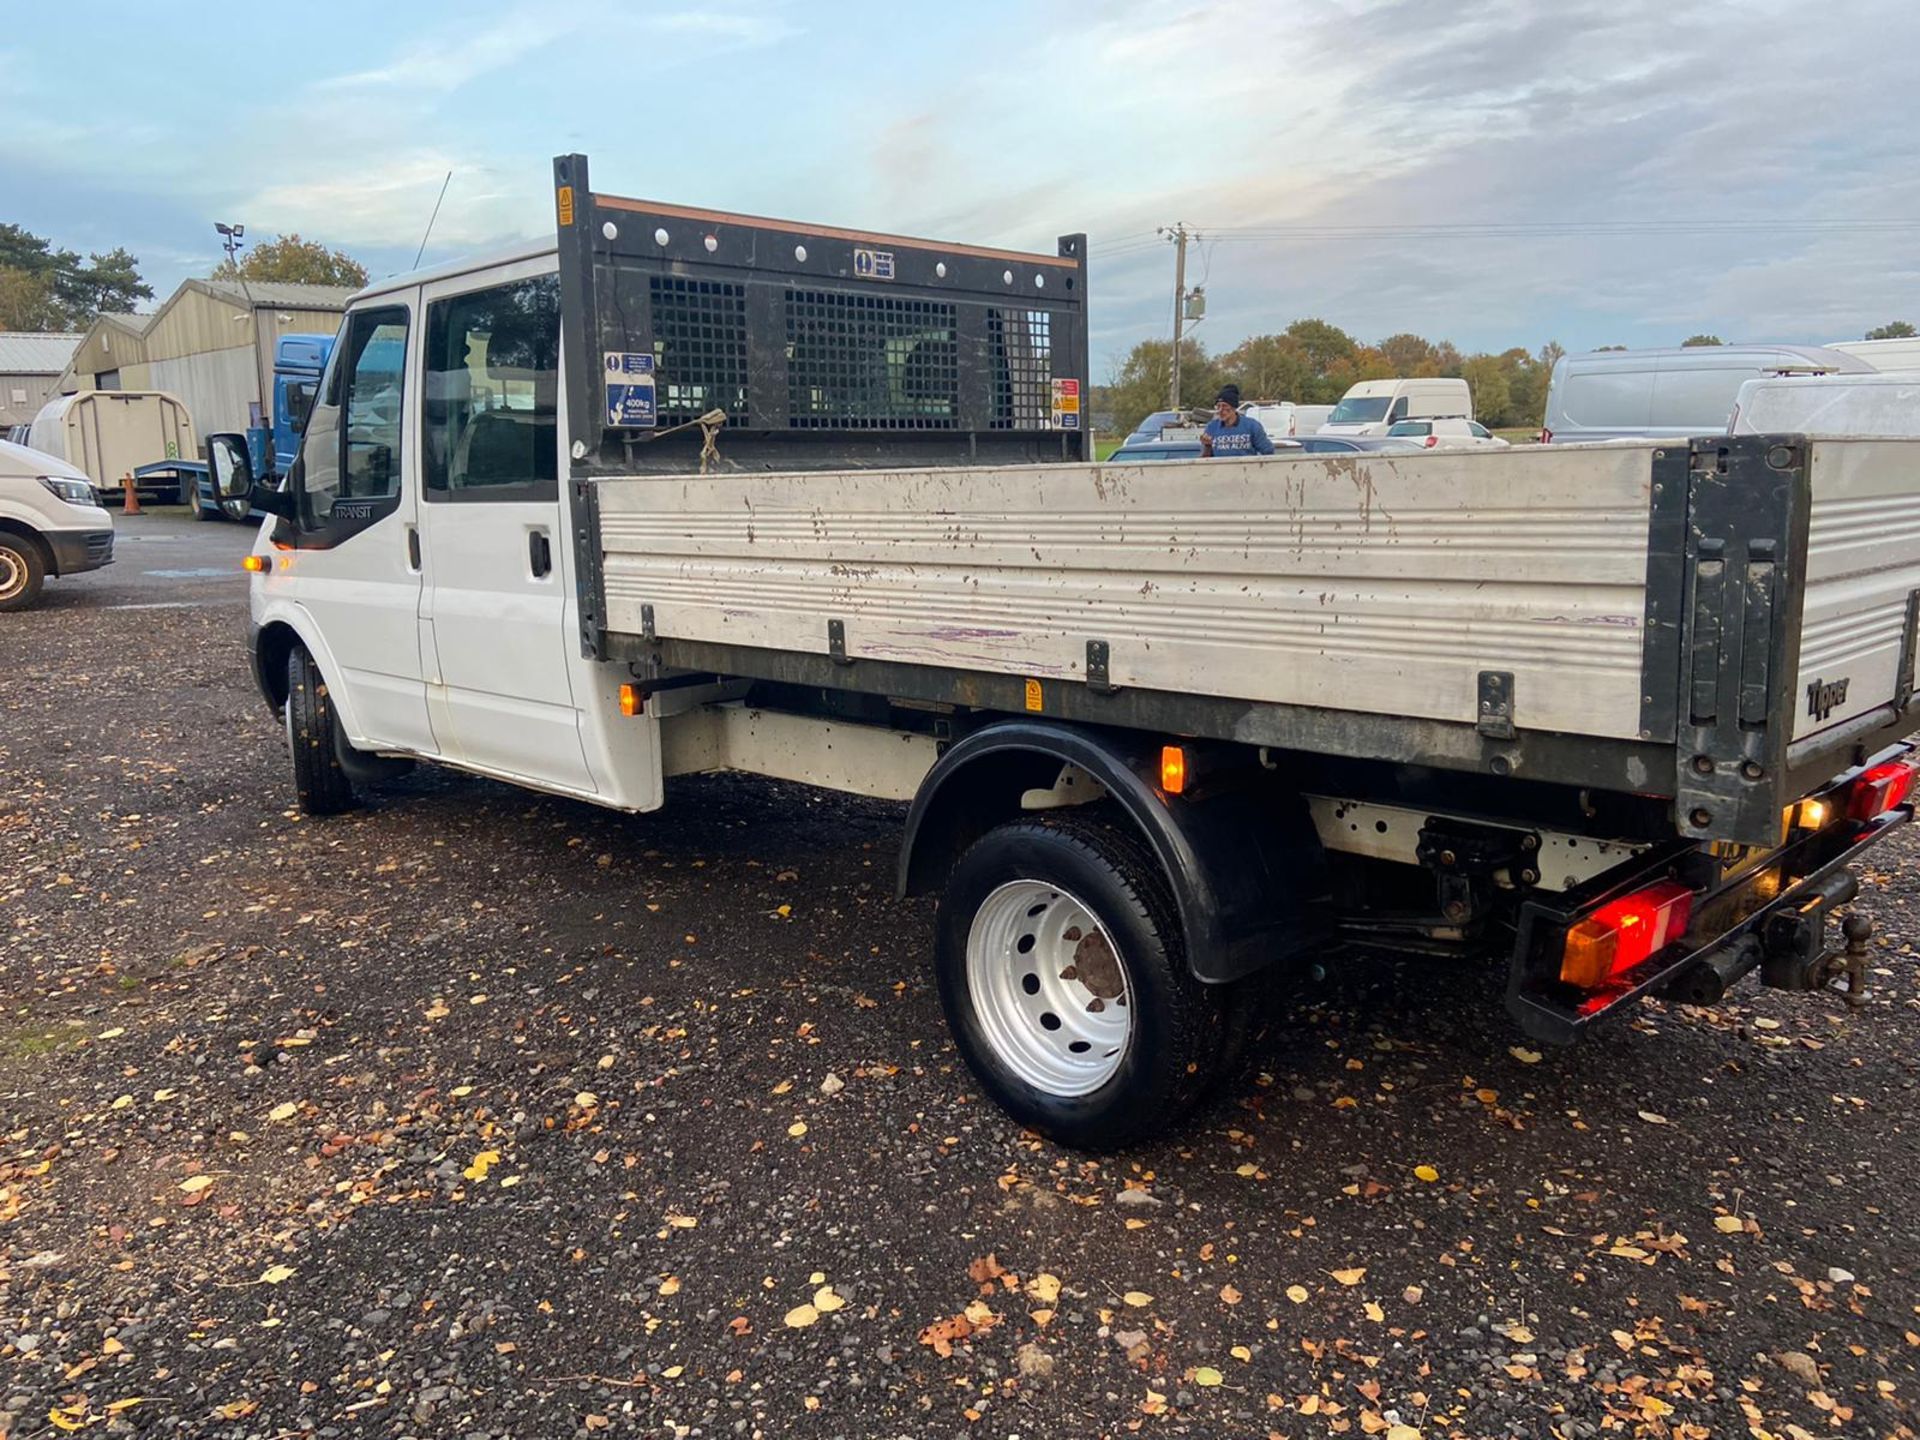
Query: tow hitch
1793	944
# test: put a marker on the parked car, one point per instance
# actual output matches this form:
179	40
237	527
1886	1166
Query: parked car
1277	417
1669	394
1370	407
1883	406
1150	428
1357	445
49	524
1447	433
1154	448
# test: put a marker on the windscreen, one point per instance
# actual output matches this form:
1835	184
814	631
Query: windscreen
1360	410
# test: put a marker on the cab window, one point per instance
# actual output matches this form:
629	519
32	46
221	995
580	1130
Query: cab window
491	426
351	450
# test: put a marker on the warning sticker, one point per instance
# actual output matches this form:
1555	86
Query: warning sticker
565	204
873	264
1066	404
630	397
1035	701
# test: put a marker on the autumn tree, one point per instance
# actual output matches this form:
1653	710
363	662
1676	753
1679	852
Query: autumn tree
290	260
1139	386
1892	330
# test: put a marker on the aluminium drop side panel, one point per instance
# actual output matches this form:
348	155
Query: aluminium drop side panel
1862	600
1373	584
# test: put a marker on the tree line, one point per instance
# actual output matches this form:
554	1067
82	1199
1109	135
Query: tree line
1312	362
47	288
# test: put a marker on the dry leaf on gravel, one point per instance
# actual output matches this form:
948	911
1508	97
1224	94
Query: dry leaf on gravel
1350	1277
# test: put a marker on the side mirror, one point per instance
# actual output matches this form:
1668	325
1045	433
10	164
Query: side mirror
230	467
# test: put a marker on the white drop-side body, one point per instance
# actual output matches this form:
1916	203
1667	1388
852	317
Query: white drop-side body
1382	584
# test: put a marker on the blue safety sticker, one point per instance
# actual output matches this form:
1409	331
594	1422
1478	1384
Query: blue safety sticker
630	391
873	264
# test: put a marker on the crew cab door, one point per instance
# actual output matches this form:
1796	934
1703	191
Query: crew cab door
353	564
497	559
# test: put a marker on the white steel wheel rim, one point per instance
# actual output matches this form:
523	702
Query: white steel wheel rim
1049	988
13	574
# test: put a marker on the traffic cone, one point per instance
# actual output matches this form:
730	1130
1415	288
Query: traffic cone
132	497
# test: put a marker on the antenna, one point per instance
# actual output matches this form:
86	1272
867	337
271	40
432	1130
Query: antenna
430	219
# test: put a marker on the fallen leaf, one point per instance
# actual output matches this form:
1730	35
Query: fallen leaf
670	1285
1651	1118
797	1129
194	1184
674	1372
1728	1224
1229	1295
1297	1294
1349	1277
1206	1375
1412	1294
1044	1287
1375	1313
683	1222
276	1274
1524	1055
283	1112
826	1302
1426	1172
1139	1299
802	1316
482	1163
986	1269
1403	1432
1241	1353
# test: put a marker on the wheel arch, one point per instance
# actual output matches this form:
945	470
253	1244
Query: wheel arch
1242	857
274	635
20	530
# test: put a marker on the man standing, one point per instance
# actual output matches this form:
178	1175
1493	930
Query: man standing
1231	435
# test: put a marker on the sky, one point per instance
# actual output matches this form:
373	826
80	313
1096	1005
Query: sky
1493	172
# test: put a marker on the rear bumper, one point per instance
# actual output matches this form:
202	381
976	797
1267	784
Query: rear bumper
78	550
1797	877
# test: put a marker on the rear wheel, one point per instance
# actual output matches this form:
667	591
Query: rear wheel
23	570
1062	969
321	784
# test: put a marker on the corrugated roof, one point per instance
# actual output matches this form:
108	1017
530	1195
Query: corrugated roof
35	352
268	293
131	323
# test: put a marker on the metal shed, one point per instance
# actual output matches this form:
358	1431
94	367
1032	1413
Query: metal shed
211	344
30	366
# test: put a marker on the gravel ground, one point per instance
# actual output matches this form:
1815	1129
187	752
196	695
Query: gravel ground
477	1113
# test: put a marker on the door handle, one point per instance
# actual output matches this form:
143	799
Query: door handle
539	554
413	546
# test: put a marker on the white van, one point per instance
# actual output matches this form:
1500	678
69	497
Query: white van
1882	406
1373	406
109	434
1668	394
49	524
1903	354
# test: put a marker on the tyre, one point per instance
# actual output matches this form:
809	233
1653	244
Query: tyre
23	570
320	784
1062	969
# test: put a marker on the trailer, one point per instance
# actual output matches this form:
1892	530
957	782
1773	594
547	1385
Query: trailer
690	491
120	437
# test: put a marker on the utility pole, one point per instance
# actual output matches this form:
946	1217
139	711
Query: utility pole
1179	235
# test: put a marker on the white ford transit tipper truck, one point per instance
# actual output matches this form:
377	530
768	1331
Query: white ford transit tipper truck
687	491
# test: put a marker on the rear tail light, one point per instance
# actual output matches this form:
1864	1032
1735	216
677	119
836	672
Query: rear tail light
1879	789
1432	440
1622	933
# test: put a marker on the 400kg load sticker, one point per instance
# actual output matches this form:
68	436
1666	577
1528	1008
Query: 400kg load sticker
630	391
